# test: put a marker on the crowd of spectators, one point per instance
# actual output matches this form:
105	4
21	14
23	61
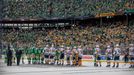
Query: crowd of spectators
86	36
38	9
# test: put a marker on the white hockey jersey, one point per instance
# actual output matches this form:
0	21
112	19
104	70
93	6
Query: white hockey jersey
131	51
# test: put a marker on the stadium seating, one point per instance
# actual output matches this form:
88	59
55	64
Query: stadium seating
114	32
36	9
86	36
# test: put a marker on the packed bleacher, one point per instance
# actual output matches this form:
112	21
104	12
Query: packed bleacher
86	36
93	27
116	32
38	9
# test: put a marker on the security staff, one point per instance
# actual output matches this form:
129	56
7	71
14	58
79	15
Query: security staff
18	56
9	56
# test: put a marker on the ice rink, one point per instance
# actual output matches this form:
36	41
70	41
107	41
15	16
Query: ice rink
86	69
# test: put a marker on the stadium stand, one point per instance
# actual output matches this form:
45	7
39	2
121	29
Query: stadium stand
40	9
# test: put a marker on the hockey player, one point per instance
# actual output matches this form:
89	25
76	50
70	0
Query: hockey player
80	53
116	55
23	55
42	56
126	55
97	54
74	56
68	54
62	55
131	54
39	53
53	57
34	59
52	54
37	58
108	54
28	54
46	54
57	56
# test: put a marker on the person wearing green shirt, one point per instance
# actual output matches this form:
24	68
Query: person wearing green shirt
42	56
38	55
57	56
28	54
5	56
23	55
94	57
33	52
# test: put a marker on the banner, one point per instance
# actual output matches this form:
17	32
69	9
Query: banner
87	57
105	14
